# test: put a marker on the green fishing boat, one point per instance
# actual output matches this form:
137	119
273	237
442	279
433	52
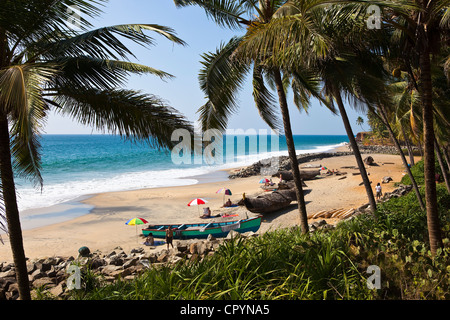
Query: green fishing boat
203	230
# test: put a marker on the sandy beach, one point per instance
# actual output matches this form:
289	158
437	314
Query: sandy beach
104	227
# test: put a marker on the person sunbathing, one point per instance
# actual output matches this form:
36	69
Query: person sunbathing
228	203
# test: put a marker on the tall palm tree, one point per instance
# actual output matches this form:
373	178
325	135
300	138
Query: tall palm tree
313	34
45	65
423	32
422	27
360	122
224	72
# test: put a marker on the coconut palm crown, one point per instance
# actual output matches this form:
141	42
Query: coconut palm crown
46	64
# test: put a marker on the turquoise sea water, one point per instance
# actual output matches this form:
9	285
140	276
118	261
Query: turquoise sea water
80	165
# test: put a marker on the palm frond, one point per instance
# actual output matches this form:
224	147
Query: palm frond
226	13
30	22
264	99
90	72
21	95
220	80
306	84
104	43
130	114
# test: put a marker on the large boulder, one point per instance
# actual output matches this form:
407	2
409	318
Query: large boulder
369	161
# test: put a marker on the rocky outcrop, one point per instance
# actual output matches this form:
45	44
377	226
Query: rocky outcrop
269	167
272	165
52	274
399	192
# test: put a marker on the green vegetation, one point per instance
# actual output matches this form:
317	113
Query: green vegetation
286	264
417	170
324	47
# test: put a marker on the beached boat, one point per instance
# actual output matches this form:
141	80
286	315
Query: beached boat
272	202
304	174
202	230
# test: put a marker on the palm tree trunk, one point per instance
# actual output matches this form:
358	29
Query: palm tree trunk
442	165
408	145
359	160
447	160
12	212
402	155
291	150
420	148
434	229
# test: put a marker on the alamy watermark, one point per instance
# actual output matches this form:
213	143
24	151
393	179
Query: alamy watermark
374	281
73	20
74	280
374	19
212	147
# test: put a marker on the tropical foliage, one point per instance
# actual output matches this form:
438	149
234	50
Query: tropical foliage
398	71
334	41
226	69
47	65
287	265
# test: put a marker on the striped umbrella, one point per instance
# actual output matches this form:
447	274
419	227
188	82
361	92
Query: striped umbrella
136	222
197	202
225	191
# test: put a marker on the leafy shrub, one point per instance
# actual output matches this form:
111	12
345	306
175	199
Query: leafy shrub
418	172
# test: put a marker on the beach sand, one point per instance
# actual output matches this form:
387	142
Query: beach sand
104	227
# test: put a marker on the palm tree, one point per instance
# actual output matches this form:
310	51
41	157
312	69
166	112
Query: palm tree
423	32
45	65
224	72
421	26
382	114
312	34
360	122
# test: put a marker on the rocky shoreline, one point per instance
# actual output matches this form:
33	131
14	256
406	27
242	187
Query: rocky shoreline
266	167
51	275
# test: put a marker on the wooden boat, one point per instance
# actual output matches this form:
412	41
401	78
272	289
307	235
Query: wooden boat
203	230
272	202
304	174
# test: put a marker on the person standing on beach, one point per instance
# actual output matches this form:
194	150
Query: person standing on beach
378	191
169	237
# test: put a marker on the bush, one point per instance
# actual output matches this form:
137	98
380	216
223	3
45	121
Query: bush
418	172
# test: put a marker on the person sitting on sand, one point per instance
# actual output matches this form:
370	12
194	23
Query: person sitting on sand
206	213
228	203
271	183
150	241
169	237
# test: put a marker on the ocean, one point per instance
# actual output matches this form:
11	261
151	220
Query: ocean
77	166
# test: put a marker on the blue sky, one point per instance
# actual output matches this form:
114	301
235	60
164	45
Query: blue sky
183	92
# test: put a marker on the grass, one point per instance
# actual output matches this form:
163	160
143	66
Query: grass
284	264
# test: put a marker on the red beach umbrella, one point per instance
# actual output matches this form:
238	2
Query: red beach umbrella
197	202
